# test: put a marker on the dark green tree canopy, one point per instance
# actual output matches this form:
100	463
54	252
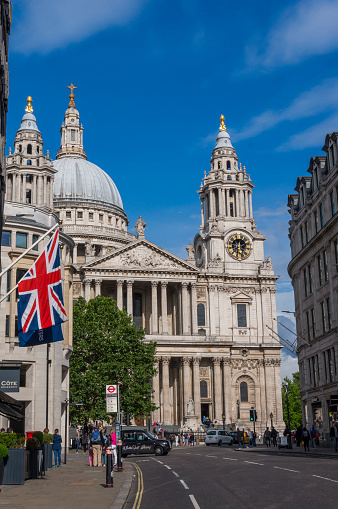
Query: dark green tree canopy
108	349
295	406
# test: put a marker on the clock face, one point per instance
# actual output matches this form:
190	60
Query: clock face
239	246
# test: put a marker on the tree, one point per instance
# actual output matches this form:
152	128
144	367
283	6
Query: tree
109	349
295	407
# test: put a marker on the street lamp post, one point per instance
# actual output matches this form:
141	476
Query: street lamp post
271	418
223	417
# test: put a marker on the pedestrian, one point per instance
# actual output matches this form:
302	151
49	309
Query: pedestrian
176	440
306	439
267	436
192	440
239	437
56	447
104	447
77	442
334	434
298	435
185	439
113	445
46	431
251	437
314	436
96	443
172	440
84	442
274	436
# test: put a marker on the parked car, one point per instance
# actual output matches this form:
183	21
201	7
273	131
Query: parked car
142	442
218	437
233	434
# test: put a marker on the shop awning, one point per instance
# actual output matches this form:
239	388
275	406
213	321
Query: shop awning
10	407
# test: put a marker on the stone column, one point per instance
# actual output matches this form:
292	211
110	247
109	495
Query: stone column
13	187
246	204
222	311
228	202
165	385
197	391
24	185
130	297
185	308
221	202
156	393
175	393
13	304
119	293
212	203
217	389
212	310
236	211
34	190
164	307
154	311
87	283
202	211
44	189
187	390
75	253
227	389
98	283
18	185
250	203
194	309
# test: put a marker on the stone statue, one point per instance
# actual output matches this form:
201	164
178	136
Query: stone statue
191	251
90	249
190	406
140	227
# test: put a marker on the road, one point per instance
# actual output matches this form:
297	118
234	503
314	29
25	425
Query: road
218	477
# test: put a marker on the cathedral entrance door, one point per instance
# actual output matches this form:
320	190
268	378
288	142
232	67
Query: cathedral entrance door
205	409
137	310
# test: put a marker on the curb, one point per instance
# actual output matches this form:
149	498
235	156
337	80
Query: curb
121	498
298	454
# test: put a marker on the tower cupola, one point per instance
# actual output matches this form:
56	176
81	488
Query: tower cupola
71	131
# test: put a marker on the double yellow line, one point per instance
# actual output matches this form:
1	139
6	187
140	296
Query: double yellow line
138	498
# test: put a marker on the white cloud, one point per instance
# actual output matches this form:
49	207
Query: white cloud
285	302
46	25
307	29
289	364
267	212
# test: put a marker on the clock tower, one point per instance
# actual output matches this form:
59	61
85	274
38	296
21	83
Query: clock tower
228	240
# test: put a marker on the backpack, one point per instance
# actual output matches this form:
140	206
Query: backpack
96	439
305	433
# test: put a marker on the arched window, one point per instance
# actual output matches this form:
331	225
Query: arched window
29	149
228	165
219	164
37	149
29	162
204	389
20	148
229	177
200	314
244	392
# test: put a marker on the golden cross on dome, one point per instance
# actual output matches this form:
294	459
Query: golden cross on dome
29	107
222	126
71	96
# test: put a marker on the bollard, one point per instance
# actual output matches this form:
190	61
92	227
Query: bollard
109	470
119	456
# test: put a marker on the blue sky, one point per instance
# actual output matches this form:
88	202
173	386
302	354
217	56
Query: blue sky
153	78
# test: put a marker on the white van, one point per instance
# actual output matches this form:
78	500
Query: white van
219	437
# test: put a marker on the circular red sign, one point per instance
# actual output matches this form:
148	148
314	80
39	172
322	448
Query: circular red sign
111	389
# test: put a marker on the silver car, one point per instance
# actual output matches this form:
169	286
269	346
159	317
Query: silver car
219	437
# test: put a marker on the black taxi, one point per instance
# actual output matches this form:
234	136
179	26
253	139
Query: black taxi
142	442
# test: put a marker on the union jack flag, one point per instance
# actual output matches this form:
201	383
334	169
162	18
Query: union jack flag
40	308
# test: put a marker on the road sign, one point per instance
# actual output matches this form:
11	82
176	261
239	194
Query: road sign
111	404
111	390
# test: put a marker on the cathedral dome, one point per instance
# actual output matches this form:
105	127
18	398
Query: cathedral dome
80	180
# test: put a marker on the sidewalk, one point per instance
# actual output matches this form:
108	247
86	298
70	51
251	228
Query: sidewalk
74	485
323	452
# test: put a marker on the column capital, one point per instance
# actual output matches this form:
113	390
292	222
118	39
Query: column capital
217	361
184	284
130	282
186	361
196	361
166	360
154	284
226	361
98	282
119	282
87	281
193	285
164	284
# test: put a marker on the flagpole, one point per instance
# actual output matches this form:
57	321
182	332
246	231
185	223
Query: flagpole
21	256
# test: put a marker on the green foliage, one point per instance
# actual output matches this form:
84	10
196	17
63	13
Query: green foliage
3	451
12	440
108	349
38	435
295	407
32	444
47	438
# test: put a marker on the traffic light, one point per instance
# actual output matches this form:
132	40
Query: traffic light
253	415
127	419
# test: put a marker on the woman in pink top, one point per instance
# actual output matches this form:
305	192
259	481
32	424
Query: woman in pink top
113	445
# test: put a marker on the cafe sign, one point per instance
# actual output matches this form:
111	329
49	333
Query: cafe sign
10	379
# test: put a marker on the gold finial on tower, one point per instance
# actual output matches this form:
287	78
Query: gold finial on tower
240	166
29	107
222	126
71	96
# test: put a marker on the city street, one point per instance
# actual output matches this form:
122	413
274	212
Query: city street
204	477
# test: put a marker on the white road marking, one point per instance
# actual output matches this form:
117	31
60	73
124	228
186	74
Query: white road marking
231	459
186	487
288	469
175	473
254	463
326	478
198	454
210	456
194	503
167	466
158	461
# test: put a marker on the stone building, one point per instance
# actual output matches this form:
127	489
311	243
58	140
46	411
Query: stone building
313	269
5	26
29	214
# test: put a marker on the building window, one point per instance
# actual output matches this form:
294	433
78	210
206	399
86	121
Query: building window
35	238
100	217
333	209
68	214
301	236
204	389
336	253
29	196
201	315
231	207
308	326
305	283
8	287
29	149
6	238
326	273
80	214
324	322
16	327
329	317
310	373
72	135
313	324
329	361
29	162
228	165
244	392
325	367
91	215
7	327
315	214
21	240
109	219
306	232
320	270
321	212
241	315
310	278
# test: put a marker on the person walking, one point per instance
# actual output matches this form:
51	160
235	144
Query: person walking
84	442
298	435
56	447
334	434
192	439
77	441
239	437
314	435
96	443
267	436
274	437
176	440
306	439
113	445
251	437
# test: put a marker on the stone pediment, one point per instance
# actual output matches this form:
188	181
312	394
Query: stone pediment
241	297
141	255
